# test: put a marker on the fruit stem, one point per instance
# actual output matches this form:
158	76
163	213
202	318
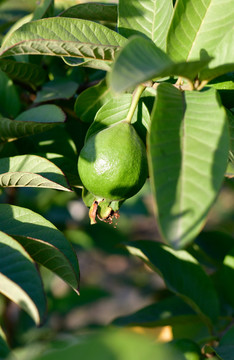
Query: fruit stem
135	99
202	84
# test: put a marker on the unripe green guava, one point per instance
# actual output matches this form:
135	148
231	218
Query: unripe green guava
112	164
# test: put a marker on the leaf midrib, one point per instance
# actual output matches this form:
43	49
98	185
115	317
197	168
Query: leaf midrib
114	47
50	245
35	176
198	31
62	41
181	190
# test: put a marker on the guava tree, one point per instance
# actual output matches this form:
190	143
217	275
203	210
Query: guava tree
160	106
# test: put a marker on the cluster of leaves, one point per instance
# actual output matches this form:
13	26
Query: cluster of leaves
183	56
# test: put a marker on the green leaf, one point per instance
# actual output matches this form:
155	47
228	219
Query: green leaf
222	352
4	348
228	337
225	86
42	240
183	277
150	18
70	61
225	350
31	171
26	73
42	114
44	9
64	37
93	12
56	89
32	121
230	168
52	257
193	331
9	98
115	110
10	14
198	27
111	344
20	280
215	244
226	277
169	311
189	348
142	60
148	97
224	82
188	145
68	166
56	140
91	100
94	64
223	58
16	24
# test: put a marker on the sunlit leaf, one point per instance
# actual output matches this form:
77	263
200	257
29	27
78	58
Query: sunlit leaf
148	18
91	100
198	27
31	171
223	58
92	11
20	280
64	37
42	240
115	110
141	60
224	82
189	144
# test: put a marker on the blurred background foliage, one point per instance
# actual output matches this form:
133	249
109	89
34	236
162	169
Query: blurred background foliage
113	283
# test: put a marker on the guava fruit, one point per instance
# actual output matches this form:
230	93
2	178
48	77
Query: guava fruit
112	164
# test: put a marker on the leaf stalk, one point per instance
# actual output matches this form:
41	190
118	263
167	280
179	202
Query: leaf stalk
135	99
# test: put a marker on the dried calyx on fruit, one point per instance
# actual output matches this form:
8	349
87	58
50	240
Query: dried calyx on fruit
113	167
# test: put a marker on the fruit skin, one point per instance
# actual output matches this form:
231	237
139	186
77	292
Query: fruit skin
112	164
